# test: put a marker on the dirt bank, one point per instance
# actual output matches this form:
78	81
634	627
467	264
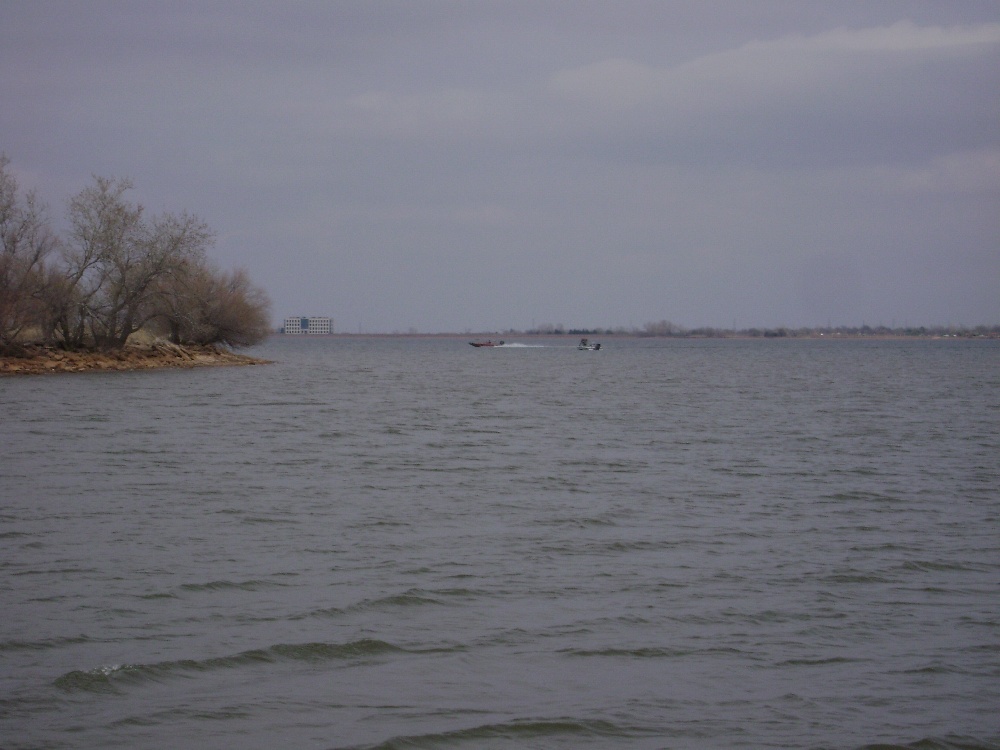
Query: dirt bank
35	360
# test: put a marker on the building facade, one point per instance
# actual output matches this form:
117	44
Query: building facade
308	325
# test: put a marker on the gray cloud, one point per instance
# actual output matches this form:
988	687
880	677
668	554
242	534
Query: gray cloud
453	165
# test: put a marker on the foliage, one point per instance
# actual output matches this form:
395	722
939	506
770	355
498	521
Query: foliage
26	242
118	271
208	306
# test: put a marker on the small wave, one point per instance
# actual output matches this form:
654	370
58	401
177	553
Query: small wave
252	585
854	578
521	730
815	662
938	743
636	546
262	519
314	652
861	495
112	678
406	599
580	523
633	653
54	571
285	404
176	715
926	566
989	648
104	679
41	645
332	434
158	595
462	592
321	612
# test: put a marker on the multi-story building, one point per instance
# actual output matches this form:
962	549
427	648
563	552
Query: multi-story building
308	325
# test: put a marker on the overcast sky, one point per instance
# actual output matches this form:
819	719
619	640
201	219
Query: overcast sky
480	165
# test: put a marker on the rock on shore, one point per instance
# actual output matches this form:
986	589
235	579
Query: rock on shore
34	360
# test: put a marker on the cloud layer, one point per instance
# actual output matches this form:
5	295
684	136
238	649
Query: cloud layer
479	166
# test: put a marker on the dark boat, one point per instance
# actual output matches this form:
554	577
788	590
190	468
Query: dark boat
485	343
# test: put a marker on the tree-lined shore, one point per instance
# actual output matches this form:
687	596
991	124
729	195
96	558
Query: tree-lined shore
117	271
666	329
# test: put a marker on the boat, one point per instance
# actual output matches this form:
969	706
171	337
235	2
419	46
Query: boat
586	346
485	343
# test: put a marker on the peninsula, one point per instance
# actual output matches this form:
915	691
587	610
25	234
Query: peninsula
33	359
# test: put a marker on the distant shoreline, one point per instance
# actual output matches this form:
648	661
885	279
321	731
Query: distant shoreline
46	360
994	336
39	360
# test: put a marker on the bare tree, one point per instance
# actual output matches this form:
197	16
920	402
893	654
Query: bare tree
26	241
208	306
114	260
118	271
240	313
663	328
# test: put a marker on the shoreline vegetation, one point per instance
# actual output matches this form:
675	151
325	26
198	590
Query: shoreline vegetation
118	289
676	332
669	330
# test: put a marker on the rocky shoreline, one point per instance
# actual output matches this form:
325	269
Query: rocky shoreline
37	360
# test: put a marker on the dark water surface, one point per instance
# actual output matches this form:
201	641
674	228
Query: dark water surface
411	543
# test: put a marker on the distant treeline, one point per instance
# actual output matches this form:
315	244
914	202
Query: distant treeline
667	329
116	271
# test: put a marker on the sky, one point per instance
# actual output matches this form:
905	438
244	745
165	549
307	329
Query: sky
485	165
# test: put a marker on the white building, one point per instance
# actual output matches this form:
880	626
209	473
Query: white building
308	325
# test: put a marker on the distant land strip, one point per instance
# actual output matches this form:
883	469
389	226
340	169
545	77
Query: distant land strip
668	330
665	328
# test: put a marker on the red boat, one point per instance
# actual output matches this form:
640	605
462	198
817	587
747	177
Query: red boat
485	343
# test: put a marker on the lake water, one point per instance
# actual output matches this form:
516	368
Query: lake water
411	543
